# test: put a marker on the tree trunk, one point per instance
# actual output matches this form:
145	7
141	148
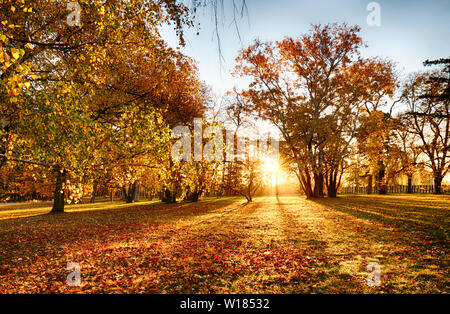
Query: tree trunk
304	179
409	189
129	195
124	193
58	196
136	192
307	188
437	184
193	196
381	183
168	196
318	185
331	187
111	196
94	192
331	190
369	185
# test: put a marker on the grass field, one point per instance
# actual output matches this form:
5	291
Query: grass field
273	245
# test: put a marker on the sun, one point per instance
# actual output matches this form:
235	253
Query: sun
271	169
270	165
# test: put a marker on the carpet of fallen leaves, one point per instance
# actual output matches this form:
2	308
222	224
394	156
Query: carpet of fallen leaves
273	245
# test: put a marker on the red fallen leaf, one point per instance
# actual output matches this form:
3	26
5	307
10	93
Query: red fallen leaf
4	270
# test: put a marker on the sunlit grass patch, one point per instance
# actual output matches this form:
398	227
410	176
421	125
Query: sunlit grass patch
285	245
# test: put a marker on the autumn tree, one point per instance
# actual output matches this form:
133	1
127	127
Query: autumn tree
42	52
441	78
407	150
376	148
200	177
159	87
236	118
243	173
311	88
429	120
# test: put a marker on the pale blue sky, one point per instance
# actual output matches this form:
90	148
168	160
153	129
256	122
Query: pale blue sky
410	32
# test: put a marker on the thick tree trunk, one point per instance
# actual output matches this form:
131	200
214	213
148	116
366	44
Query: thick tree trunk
304	179
332	184
130	194
94	192
318	185
111	196
169	196
331	190
193	196
58	196
437	184
308	190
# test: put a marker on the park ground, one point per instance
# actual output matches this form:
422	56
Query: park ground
272	245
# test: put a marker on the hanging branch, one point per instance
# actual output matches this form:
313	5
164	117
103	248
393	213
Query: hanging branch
27	161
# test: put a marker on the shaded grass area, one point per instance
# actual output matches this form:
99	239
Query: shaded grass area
414	213
273	245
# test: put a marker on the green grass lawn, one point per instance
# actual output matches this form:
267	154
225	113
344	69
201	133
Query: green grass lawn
285	245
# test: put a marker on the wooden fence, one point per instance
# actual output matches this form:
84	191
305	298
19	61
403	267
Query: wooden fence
425	189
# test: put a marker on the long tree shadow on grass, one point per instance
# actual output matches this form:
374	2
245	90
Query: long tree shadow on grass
324	268
401	213
158	209
31	234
